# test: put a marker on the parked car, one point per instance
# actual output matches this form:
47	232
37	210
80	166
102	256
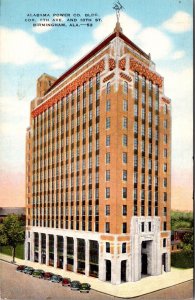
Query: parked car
47	275
66	282
85	287
38	273
75	285
56	278
20	268
28	270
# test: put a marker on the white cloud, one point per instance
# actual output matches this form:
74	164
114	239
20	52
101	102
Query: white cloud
179	22
178	54
129	25
20	48
42	29
178	86
154	41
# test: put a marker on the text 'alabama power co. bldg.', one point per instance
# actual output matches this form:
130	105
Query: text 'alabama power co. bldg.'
98	159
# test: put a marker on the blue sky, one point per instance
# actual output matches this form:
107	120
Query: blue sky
163	28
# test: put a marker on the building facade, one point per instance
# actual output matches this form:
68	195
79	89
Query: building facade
98	166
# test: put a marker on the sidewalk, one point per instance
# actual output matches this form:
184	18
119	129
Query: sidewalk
125	290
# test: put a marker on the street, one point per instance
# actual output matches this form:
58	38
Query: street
16	285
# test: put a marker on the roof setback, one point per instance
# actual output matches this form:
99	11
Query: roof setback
94	51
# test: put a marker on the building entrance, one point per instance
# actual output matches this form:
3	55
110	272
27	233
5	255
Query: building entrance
123	270
164	262
144	264
108	270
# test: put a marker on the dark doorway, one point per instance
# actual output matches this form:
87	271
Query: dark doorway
108	270
164	261
123	270
28	251
144	263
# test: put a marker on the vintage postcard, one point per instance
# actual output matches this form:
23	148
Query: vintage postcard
96	149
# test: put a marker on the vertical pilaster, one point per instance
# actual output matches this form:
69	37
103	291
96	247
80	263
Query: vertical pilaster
55	251
65	254
102	264
87	257
75	255
115	271
32	246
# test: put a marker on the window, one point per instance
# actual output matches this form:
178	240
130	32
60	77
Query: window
108	105
165	211
143	130
135	178
125	122
143	114
150	117
164	242
165	167
135	110
165	138
165	152
150	101
107	175
149	226
107	247
124	140
135	127
143	81
136	77
143	146
124	229
135	144
124	157
165	196
108	140
125	87
97	78
107	122
108	158
90	82
124	210
143	98
125	105
165	123
136	94
124	247
107	227
135	161
107	210
142	226
164	226
165	109
135	194
107	193
150	85
156	120
165	182
124	192
125	175
108	87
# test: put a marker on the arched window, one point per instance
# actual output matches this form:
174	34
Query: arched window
125	87
108	87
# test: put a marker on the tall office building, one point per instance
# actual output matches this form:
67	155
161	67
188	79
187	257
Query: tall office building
98	166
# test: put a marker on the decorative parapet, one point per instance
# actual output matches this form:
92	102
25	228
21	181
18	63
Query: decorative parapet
99	67
144	71
125	76
112	64
122	64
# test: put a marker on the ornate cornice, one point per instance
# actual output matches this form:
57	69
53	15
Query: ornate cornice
108	77
99	67
122	64
125	76
144	71
112	64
